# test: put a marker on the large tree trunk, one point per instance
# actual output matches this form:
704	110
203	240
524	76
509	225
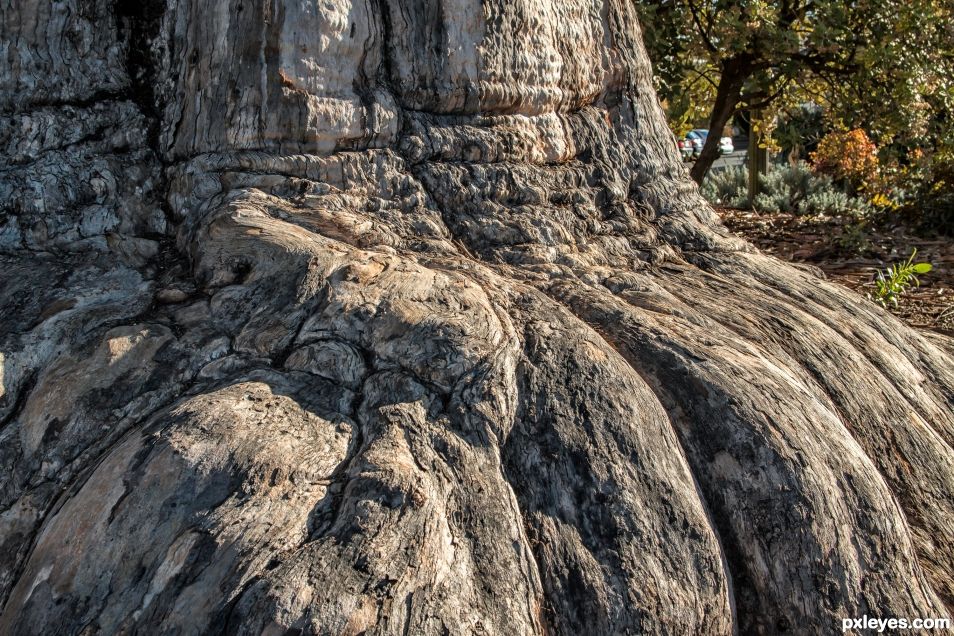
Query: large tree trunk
404	318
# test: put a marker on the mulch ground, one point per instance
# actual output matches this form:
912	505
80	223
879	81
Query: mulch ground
852	258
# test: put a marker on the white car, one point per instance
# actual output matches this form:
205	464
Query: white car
725	145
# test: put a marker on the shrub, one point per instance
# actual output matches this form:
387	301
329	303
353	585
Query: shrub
791	188
832	202
937	213
782	190
933	202
727	187
853	238
850	158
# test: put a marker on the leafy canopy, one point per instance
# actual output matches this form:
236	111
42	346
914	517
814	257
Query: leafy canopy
886	66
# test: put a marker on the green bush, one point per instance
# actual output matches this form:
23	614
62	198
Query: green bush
832	203
791	188
800	129
921	189
727	187
936	213
782	189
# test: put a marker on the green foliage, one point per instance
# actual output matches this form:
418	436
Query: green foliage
799	129
881	65
830	201
893	282
853	238
924	189
727	187
791	188
786	188
937	213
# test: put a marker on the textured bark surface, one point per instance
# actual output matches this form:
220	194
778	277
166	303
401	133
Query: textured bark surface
404	318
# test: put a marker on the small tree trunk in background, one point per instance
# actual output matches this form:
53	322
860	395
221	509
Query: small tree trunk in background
727	98
752	163
758	158
752	159
368	317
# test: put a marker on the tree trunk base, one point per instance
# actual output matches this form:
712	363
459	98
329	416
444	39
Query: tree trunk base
490	369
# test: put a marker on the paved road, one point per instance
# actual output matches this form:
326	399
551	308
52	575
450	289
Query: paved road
733	159
736	158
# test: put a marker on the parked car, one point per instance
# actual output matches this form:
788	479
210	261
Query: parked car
726	146
698	138
685	149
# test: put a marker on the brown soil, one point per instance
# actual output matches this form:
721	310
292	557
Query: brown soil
852	258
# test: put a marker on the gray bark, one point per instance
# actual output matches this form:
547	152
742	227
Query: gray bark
404	318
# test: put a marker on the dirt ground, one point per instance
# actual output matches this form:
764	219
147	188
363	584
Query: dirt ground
852	258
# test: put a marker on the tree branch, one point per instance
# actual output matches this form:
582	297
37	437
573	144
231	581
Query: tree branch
706	39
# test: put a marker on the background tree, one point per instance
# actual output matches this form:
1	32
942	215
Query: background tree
884	65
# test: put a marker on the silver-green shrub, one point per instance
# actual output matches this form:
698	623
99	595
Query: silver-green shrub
790	188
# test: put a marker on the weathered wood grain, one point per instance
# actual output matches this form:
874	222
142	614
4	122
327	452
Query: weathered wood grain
383	317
